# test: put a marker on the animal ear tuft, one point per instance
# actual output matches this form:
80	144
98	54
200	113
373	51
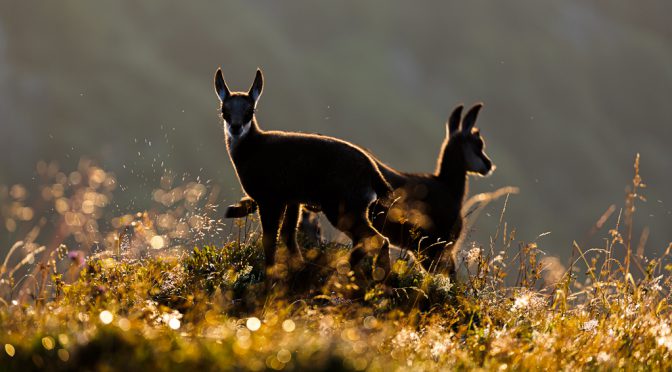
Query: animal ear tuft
470	118
221	89
454	120
257	86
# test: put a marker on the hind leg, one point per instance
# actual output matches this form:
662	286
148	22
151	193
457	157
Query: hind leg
365	238
270	223
288	231
353	221
310	227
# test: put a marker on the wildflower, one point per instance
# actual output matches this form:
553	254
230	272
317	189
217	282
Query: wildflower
443	283
589	325
438	349
406	337
77	258
632	310
528	301
663	334
474	254
172	319
469	256
665	341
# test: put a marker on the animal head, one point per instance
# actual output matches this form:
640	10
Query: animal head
238	107
462	135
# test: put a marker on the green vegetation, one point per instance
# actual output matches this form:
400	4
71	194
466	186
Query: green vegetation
207	309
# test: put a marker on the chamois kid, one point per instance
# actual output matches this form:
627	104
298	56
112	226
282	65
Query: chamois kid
280	171
426	213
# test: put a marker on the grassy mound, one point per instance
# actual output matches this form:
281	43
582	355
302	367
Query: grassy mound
208	309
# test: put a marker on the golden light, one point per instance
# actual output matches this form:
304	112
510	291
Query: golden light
9	349
48	343
63	355
370	322
174	323
288	326
253	324
106	317
284	356
63	339
61	205
124	324
157	242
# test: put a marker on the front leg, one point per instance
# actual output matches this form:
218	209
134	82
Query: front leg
270	215
288	231
244	207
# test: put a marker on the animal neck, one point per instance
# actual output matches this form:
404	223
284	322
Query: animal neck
233	143
451	169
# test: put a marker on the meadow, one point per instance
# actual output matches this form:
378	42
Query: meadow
153	294
127	263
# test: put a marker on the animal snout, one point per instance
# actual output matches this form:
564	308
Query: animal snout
488	170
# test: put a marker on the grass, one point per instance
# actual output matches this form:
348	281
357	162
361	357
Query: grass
205	309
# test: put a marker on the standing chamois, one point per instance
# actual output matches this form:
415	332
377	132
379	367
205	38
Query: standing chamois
280	171
426	212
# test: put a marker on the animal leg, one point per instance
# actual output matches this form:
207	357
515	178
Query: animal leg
270	224
288	231
364	239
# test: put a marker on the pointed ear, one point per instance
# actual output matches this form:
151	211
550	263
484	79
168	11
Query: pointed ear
470	118
453	124
257	86
222	90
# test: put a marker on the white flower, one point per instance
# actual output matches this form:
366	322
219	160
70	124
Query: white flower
406	338
589	325
528	301
438	349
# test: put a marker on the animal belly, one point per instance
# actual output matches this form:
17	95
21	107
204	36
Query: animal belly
277	189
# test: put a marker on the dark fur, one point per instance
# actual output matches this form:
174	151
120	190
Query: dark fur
282	170
426	213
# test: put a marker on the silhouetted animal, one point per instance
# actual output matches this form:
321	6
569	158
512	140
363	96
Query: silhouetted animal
426	213
282	170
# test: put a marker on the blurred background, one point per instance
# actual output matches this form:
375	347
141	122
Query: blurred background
572	91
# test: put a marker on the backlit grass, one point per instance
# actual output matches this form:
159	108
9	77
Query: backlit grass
206	309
